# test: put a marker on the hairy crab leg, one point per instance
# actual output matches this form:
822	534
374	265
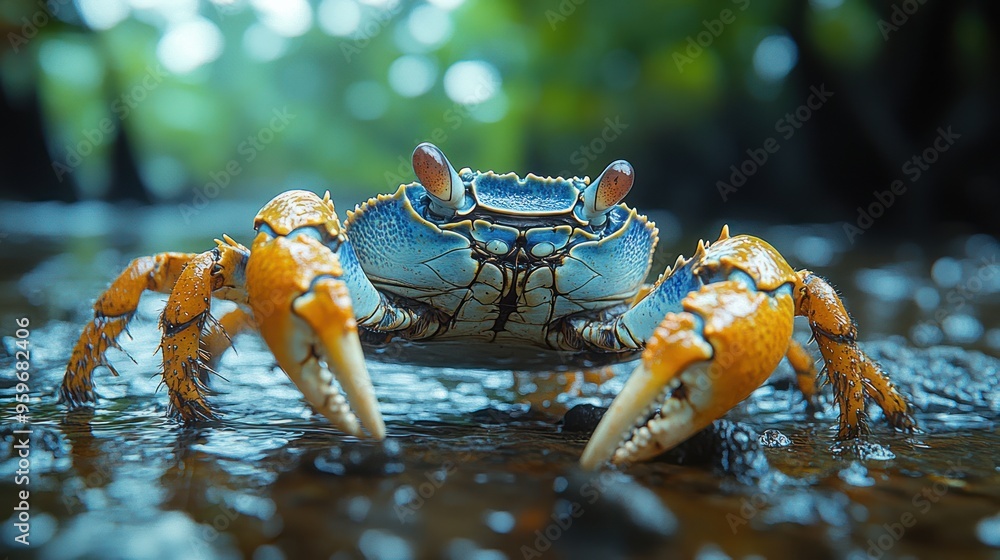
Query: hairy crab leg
112	313
741	298
219	337
697	365
303	308
805	368
220	273
852	373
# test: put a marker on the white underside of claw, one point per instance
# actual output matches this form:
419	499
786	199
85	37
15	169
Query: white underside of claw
319	383
648	418
330	372
675	421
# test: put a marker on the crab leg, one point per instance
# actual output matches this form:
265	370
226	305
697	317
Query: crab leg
697	365
219	337
852	373
302	306
805	368
219	273
112	313
723	342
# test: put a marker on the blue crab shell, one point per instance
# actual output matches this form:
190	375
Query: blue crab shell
511	263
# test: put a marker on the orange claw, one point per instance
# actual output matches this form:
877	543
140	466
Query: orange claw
304	312
697	366
733	332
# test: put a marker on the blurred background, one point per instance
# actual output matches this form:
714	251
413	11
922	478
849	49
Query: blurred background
185	102
857	136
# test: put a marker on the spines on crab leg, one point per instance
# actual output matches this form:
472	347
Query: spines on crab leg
219	336
112	313
852	373
803	363
220	273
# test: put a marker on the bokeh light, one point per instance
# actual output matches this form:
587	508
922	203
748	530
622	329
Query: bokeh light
775	56
189	45
412	75
471	81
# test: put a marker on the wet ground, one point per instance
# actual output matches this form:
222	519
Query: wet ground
470	468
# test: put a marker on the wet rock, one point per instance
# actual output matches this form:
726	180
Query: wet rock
607	513
360	459
773	438
940	378
497	417
583	418
728	448
863	449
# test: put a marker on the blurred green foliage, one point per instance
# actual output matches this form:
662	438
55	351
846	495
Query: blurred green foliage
190	85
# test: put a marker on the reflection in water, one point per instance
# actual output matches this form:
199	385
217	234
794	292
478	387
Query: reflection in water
477	464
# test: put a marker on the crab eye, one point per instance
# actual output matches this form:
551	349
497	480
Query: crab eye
438	177
607	190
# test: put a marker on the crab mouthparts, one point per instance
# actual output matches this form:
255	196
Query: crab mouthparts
649	417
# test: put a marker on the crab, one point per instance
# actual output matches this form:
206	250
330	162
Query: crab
497	270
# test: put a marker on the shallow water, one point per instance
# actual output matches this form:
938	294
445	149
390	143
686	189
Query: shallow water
477	463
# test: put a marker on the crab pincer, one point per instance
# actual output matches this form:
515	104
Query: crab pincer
698	364
732	330
303	309
495	269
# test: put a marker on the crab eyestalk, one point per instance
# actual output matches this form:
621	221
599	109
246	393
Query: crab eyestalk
439	178
607	190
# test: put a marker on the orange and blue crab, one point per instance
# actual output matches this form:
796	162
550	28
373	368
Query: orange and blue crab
485	266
